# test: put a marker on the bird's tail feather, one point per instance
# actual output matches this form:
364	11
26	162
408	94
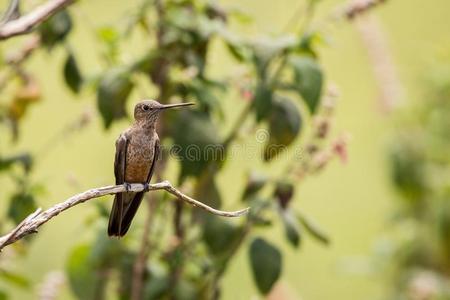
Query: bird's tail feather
123	211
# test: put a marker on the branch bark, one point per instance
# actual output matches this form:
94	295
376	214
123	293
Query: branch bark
27	22
358	7
31	224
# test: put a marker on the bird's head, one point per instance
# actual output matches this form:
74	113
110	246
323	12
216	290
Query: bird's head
149	110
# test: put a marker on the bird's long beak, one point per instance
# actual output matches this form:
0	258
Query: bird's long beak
166	106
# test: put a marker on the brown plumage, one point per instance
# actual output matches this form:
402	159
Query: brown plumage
137	150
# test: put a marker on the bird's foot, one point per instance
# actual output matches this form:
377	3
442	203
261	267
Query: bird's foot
146	187
127	186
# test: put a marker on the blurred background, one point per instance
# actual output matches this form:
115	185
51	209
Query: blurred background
360	89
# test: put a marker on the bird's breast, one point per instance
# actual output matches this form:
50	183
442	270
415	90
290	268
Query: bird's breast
139	159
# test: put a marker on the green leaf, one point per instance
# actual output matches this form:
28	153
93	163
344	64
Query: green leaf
255	182
55	29
238	51
284	126
197	141
104	251
25	159
313	228
72	74
260	211
263	101
408	168
266	264
219	234
81	273
15	278
309	80
309	42
20	206
3	295
265	49
112	94
291	228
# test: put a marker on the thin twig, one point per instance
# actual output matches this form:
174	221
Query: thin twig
390	88
38	218
26	23
358	7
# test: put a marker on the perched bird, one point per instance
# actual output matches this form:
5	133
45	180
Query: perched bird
137	150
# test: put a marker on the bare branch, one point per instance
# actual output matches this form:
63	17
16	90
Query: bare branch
358	7
38	218
24	24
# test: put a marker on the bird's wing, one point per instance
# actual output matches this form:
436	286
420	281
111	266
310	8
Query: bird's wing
155	159
131	209
120	158
115	218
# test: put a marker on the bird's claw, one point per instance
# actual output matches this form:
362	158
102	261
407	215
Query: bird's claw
146	187
127	186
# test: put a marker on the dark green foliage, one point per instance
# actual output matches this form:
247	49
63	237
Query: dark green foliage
308	80
284	126
291	228
255	183
407	169
220	235
314	229
72	74
263	102
21	205
25	160
260	211
266	49
112	94
55	29
197	142
266	264
81	273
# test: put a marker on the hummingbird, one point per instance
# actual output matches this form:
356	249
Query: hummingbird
137	150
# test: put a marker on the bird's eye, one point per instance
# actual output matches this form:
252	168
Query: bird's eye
146	107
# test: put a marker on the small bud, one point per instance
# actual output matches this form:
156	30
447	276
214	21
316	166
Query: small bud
339	147
311	149
322	127
283	193
321	159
